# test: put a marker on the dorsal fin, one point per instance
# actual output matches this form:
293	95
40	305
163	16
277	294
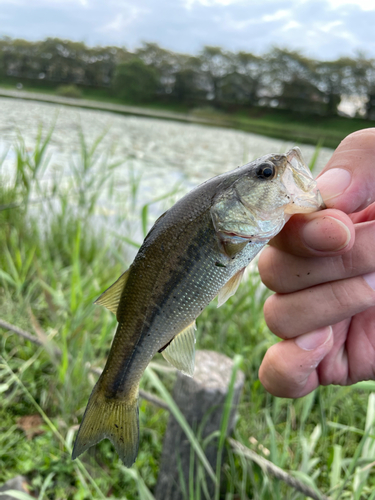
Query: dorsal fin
230	288
111	297
181	351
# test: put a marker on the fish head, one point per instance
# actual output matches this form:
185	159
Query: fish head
263	194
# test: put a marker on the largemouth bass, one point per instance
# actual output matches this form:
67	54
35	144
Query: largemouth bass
195	251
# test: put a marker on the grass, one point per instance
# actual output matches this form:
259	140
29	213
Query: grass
279	123
55	259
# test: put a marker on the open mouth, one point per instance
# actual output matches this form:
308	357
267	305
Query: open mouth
238	235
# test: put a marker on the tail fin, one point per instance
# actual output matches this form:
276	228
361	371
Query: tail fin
114	419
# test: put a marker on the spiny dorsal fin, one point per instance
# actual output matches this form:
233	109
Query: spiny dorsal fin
230	288
181	351
111	297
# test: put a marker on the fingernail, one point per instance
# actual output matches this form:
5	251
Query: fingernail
313	340
326	234
370	279
333	183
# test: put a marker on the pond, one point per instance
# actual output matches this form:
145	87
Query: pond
159	156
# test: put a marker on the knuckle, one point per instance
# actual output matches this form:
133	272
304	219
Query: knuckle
366	138
340	296
348	265
270	270
347	297
276	375
271	372
275	315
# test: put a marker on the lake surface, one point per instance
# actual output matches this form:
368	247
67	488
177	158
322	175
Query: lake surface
162	155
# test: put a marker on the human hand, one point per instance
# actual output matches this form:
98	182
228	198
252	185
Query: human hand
322	266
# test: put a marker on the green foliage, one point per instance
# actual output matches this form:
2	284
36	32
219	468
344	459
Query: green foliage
69	91
62	61
229	80
134	81
55	259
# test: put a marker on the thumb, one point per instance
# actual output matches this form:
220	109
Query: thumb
289	368
347	182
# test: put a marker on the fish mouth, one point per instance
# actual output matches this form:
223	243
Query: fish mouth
239	238
236	235
298	181
306	204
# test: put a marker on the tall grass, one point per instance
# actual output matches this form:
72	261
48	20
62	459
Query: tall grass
57	254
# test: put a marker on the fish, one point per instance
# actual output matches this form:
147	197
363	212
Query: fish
195	251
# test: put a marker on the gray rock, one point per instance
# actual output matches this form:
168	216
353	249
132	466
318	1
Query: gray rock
18	483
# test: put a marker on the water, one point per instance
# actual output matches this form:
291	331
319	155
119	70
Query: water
162	149
164	155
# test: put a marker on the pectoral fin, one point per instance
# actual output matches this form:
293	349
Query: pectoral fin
181	351
111	297
229	288
231	245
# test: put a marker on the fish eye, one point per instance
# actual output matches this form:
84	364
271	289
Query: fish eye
265	171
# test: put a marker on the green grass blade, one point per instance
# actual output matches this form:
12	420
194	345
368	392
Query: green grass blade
144	492
45	485
368	450
19	495
315	156
144	218
336	466
228	407
52	427
156	382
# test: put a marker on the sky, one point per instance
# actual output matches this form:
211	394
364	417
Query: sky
322	29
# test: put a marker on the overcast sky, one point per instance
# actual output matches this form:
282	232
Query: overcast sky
320	28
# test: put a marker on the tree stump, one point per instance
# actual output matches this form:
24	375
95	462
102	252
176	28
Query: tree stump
201	400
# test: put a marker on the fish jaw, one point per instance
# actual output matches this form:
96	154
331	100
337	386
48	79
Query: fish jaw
299	183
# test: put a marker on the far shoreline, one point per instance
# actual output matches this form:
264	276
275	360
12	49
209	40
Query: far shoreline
298	128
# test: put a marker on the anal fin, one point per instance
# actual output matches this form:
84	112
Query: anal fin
230	288
181	351
111	297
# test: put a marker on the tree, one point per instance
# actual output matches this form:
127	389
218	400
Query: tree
251	68
363	71
215	65
165	63
303	96
188	87
334	78
134	81
282	67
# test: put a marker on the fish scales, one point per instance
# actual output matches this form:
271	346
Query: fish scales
195	251
173	294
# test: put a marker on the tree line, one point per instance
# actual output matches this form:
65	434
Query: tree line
229	80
